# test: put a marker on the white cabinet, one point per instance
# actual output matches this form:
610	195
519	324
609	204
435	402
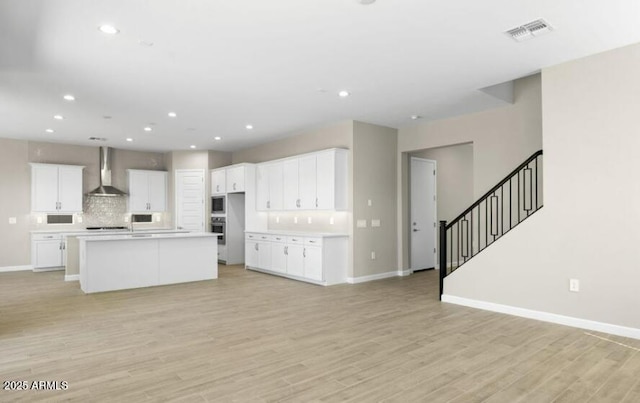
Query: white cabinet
315	181
300	183
269	187
218	181
235	181
47	251
316	259
147	191
56	188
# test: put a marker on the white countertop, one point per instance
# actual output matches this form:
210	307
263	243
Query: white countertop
298	233
140	235
90	231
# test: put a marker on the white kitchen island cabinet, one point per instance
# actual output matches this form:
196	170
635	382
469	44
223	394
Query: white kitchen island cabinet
120	262
314	258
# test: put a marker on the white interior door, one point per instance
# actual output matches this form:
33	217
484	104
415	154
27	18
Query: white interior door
190	197
423	213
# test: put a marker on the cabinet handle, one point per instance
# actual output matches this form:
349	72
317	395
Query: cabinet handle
294	240
60	246
316	202
298	203
48	236
286	250
217	188
234	186
256	246
304	252
268	204
312	241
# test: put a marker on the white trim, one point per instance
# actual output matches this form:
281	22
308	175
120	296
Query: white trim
404	273
364	279
15	268
71	277
545	316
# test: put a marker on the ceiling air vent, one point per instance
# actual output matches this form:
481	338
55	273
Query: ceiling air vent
530	30
97	139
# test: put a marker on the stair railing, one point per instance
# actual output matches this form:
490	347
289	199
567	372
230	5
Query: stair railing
497	212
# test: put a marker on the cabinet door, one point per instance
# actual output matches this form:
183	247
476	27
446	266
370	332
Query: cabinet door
44	189
235	179
264	255
295	260
251	254
157	191
47	253
325	180
291	198
275	186
138	191
307	182
279	257
262	187
313	263
69	190
218	182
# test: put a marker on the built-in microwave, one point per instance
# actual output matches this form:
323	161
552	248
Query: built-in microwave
218	204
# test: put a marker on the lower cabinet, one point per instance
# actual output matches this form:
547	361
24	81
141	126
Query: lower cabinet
316	259
47	251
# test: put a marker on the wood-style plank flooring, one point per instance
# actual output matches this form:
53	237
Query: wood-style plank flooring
251	337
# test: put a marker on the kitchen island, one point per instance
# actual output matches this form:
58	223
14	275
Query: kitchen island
122	261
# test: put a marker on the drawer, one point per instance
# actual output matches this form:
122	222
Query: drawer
251	236
264	237
278	238
313	241
46	237
296	240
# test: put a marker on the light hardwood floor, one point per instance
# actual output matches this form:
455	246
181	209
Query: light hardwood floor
253	337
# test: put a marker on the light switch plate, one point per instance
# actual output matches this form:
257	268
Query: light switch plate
369	203
13	220
574	285
375	223
361	223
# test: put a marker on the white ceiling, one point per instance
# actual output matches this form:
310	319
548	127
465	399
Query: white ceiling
277	64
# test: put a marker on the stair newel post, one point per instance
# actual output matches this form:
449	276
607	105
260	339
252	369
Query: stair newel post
442	253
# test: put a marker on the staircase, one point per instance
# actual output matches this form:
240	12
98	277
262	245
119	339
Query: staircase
507	204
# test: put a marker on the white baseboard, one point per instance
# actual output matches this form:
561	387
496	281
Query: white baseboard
545	316
364	279
71	277
16	268
403	273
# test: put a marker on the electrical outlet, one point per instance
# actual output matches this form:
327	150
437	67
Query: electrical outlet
39	220
13	220
278	220
157	218
309	221
331	221
574	285
373	256
295	220
79	219
126	218
375	223
361	224
369	203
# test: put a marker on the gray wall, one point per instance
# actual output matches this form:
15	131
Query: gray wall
374	173
502	138
589	228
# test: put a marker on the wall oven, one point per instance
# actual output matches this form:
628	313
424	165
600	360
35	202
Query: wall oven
218	204
219	226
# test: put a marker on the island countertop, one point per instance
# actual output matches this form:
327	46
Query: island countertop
148	235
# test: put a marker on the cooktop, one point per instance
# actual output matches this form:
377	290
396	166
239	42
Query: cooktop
104	228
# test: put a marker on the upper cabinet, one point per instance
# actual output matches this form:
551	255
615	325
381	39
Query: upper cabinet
315	181
231	179
269	186
56	188
218	181
147	191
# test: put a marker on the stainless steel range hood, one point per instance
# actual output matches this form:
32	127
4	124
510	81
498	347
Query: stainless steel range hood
105	188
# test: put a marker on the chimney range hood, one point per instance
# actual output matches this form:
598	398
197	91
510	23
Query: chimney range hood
105	188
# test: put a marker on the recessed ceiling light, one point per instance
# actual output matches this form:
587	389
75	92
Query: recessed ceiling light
147	129
172	114
69	97
415	117
108	29
192	146
106	117
343	94
129	139
249	127
58	117
217	138
49	130
365	2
